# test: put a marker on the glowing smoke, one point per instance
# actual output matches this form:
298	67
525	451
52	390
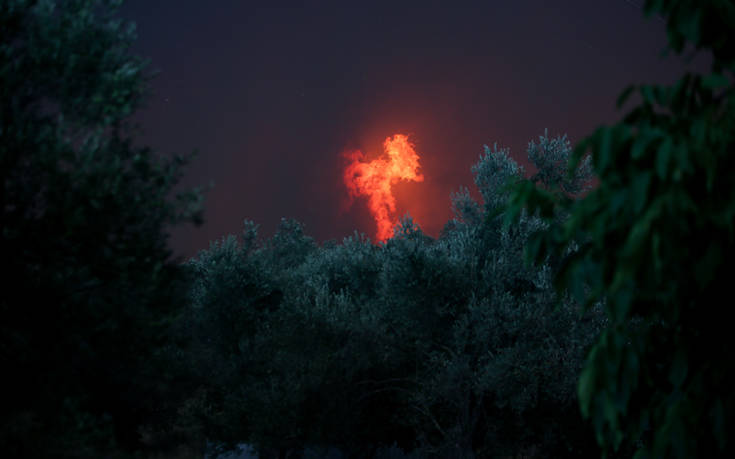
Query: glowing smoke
374	179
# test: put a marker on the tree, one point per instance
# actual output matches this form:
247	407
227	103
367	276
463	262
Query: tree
652	242
507	367
449	347
89	286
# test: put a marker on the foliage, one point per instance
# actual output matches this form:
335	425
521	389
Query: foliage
652	242
551	158
89	287
493	170
449	347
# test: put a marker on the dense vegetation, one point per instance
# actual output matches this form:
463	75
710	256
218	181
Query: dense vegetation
654	239
88	287
446	347
451	345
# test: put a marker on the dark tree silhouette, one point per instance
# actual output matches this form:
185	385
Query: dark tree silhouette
653	242
88	286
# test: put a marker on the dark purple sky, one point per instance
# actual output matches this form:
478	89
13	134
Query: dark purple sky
271	96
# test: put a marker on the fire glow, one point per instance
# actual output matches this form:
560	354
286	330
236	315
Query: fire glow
375	178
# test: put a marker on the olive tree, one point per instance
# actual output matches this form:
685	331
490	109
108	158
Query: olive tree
89	286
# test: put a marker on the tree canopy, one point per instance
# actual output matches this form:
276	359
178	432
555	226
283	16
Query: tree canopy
445	347
652	242
89	285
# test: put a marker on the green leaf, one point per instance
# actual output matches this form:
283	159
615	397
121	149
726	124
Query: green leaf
641	142
621	301
618	200
715	81
535	248
637	236
689	25
652	6
576	280
648	94
604	150
578	153
586	388
623	97
698	132
639	191
663	157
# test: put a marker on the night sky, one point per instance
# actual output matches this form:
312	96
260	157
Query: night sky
271	96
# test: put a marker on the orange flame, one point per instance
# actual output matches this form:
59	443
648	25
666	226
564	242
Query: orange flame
375	178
